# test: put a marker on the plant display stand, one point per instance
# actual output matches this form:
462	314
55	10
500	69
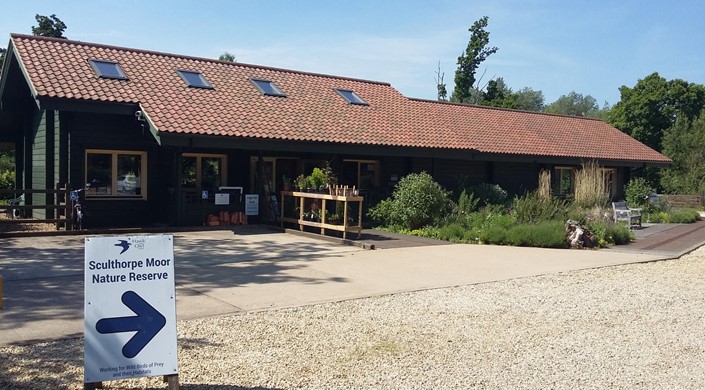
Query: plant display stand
304	197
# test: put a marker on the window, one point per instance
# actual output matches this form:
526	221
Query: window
351	97
203	171
564	182
194	79
113	173
361	173
108	69
267	87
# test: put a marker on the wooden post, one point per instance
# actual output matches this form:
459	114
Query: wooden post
172	381
345	218
93	386
323	217
301	213
281	218
359	219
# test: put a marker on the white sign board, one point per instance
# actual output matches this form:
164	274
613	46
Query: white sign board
222	198
251	204
129	308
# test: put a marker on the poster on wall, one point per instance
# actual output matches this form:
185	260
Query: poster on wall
251	204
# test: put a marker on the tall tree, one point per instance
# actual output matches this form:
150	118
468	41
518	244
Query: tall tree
49	26
2	57
648	109
440	85
684	143
498	94
476	52
227	56
575	104
529	100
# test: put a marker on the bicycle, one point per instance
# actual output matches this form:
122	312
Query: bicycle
78	215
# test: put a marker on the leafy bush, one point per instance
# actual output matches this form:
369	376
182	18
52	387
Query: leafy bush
684	216
467	203
671	216
609	233
547	234
637	192
381	214
489	194
494	235
453	232
533	208
7	179
417	201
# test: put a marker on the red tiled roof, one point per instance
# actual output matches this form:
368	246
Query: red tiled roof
311	110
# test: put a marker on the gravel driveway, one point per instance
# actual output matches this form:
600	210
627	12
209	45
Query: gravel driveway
634	326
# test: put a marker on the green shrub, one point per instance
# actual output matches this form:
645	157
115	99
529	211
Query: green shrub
7	181
381	214
489	194
684	215
547	234
637	192
467	202
618	234
532	208
417	201
610	233
453	232
493	235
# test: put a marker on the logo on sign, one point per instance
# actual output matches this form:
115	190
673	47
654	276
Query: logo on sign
124	245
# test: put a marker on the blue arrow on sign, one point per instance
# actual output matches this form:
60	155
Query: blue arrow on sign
147	323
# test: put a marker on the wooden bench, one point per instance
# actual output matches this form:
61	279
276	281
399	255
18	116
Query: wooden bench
623	213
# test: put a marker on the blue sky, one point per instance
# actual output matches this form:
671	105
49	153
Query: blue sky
553	46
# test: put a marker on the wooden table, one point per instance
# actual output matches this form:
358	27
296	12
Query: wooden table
323	225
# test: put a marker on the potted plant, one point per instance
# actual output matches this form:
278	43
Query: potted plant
301	182
318	180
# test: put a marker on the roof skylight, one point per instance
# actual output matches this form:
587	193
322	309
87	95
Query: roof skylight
108	69
194	79
351	97
267	87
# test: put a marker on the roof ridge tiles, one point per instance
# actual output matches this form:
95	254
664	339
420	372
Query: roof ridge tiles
503	109
194	58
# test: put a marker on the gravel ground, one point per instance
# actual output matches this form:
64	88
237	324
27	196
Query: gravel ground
635	326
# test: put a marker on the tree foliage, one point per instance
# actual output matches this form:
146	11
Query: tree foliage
529	100
227	56
49	26
2	57
476	52
651	107
7	169
442	92
498	94
576	104
684	143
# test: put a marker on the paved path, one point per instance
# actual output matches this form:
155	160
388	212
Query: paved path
252	269
668	240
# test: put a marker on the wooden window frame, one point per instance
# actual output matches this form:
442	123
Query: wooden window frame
376	179
199	156
559	177
114	153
